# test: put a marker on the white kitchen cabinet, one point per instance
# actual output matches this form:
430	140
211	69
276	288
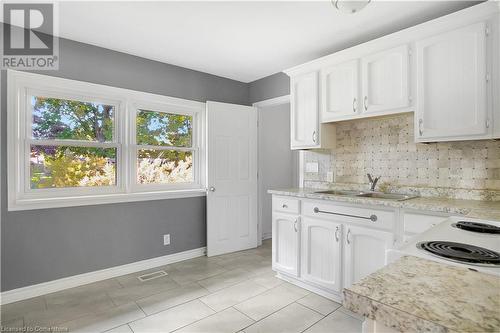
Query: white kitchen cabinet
321	261
306	132
285	247
364	252
452	85
385	80
340	91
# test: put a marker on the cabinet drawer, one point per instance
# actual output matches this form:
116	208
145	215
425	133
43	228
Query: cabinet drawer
415	223
367	216
286	205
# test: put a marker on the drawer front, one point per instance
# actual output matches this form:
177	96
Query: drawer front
286	205
366	216
415	223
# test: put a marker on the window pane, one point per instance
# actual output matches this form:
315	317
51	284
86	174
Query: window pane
164	167
63	166
164	129
55	118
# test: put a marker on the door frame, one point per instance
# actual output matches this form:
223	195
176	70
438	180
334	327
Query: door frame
297	174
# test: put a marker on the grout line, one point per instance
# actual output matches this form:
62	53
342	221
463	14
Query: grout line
311	308
243	313
137	304
130	328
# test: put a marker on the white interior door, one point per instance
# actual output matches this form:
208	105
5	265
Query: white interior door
232	178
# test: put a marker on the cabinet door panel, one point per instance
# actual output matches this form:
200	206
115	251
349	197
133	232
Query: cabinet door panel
451	84
339	84
285	245
385	78
364	252
304	111
321	255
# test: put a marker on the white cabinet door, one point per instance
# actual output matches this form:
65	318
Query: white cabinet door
451	85
339	87
364	252
385	78
321	261
304	111
285	252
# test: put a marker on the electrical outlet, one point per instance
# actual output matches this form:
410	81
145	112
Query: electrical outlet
329	176
312	167
166	239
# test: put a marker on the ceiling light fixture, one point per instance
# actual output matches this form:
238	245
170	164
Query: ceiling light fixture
350	6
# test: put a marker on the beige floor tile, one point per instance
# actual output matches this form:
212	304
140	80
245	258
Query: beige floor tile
352	314
132	279
120	329
171	298
227	321
230	296
291	319
13	325
196	273
135	292
319	304
56	315
105	321
337	322
19	309
268	302
173	318
268	280
225	279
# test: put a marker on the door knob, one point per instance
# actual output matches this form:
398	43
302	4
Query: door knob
212	189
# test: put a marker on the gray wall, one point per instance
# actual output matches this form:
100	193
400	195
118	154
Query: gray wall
269	87
48	244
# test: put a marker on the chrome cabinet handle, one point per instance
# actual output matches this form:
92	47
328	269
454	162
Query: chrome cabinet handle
372	217
295	226
365	102
347	237
354	105
314	137
284	206
212	189
337	234
420	130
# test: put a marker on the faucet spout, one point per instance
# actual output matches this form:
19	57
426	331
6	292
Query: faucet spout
373	181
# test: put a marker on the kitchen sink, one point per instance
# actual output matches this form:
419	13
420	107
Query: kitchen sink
389	196
340	192
374	195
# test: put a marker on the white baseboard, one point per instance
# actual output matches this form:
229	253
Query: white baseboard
19	294
267	235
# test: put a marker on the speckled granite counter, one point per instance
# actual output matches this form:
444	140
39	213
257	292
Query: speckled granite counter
472	208
418	295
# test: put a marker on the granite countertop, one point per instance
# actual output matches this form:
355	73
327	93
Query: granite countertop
418	295
489	210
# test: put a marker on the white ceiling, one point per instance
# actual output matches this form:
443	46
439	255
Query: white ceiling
244	41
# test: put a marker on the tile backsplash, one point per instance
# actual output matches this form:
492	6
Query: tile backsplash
386	147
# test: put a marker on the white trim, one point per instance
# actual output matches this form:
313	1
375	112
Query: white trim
267	235
272	101
19	294
259	105
21	197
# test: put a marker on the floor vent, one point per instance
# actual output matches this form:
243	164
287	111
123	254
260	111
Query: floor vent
152	276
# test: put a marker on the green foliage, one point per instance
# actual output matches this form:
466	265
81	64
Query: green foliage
163	129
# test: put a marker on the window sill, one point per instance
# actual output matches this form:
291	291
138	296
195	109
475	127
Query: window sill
101	199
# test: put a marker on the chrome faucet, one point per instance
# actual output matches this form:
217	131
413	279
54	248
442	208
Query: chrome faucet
373	181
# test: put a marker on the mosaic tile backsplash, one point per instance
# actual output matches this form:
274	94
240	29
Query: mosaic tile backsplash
386	147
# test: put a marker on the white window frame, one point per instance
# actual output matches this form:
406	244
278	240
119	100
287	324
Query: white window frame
22	85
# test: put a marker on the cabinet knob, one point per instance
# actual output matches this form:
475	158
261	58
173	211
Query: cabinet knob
365	103
354	105
337	234
295	226
284	206
314	136
420	130
211	189
347	238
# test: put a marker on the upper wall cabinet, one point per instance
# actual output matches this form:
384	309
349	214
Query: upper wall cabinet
340	91
451	85
306	132
385	78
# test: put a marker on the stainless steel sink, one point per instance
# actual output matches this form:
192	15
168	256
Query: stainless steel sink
375	195
340	192
388	196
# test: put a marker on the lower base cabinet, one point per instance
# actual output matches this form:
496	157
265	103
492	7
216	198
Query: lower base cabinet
285	247
321	260
364	252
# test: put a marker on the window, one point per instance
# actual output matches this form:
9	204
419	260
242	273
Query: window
75	143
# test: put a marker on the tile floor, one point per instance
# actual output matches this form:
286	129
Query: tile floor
235	292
